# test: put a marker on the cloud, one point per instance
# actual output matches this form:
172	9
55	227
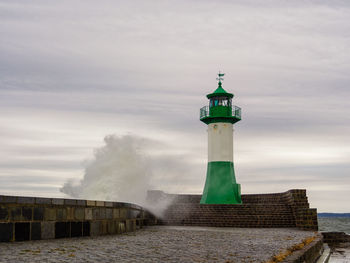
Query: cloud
71	75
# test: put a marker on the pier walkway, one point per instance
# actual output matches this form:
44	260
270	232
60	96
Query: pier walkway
161	244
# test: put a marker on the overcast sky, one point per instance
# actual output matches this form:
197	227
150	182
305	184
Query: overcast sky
72	72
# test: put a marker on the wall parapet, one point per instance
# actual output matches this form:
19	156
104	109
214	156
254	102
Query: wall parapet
32	218
305	217
7	199
286	209
336	237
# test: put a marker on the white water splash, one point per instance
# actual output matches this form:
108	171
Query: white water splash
123	171
120	171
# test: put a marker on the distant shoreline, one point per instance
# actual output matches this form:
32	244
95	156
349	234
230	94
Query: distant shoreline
333	214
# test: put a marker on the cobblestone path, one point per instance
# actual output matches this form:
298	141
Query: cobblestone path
160	244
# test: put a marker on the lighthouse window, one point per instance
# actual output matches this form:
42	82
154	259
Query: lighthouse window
217	101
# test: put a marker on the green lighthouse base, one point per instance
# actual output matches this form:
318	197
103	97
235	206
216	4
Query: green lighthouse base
220	185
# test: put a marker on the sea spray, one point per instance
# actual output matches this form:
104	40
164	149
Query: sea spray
123	170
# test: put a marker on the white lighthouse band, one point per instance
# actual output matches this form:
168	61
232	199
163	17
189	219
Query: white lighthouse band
220	142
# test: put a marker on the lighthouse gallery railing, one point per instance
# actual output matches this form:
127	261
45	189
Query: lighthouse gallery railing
204	111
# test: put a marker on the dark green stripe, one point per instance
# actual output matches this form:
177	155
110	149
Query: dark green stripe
220	185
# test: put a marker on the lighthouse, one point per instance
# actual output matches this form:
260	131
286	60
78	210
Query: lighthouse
220	185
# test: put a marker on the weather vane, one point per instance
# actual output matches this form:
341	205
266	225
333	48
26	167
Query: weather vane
220	78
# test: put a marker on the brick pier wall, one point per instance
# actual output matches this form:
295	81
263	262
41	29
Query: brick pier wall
288	209
33	218
336	237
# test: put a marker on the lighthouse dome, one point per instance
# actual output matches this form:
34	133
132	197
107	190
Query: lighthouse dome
220	92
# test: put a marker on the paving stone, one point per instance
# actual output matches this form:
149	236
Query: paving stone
109	213
86	229
42	200
9	199
131	213
61	214
6	232
81	202
50	214
4	214
16	213
27	213
95	213
70	201
116	223
127	225
62	229
133	225
25	200
22	231
38	213
138	224
90	203
123	213
111	228
127	205
102	213
108	204
76	229
95	228
130	225
79	213
115	213
121	227
117	204
103	227
88	213
47	230
160	244
57	201
100	203
70	213
35	231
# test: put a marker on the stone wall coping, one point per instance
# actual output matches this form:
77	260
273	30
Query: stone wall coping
29	200
309	253
299	191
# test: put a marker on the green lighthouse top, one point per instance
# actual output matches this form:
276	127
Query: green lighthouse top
220	108
220	91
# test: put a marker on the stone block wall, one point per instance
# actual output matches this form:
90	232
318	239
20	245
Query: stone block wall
288	209
305	217
336	237
33	218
